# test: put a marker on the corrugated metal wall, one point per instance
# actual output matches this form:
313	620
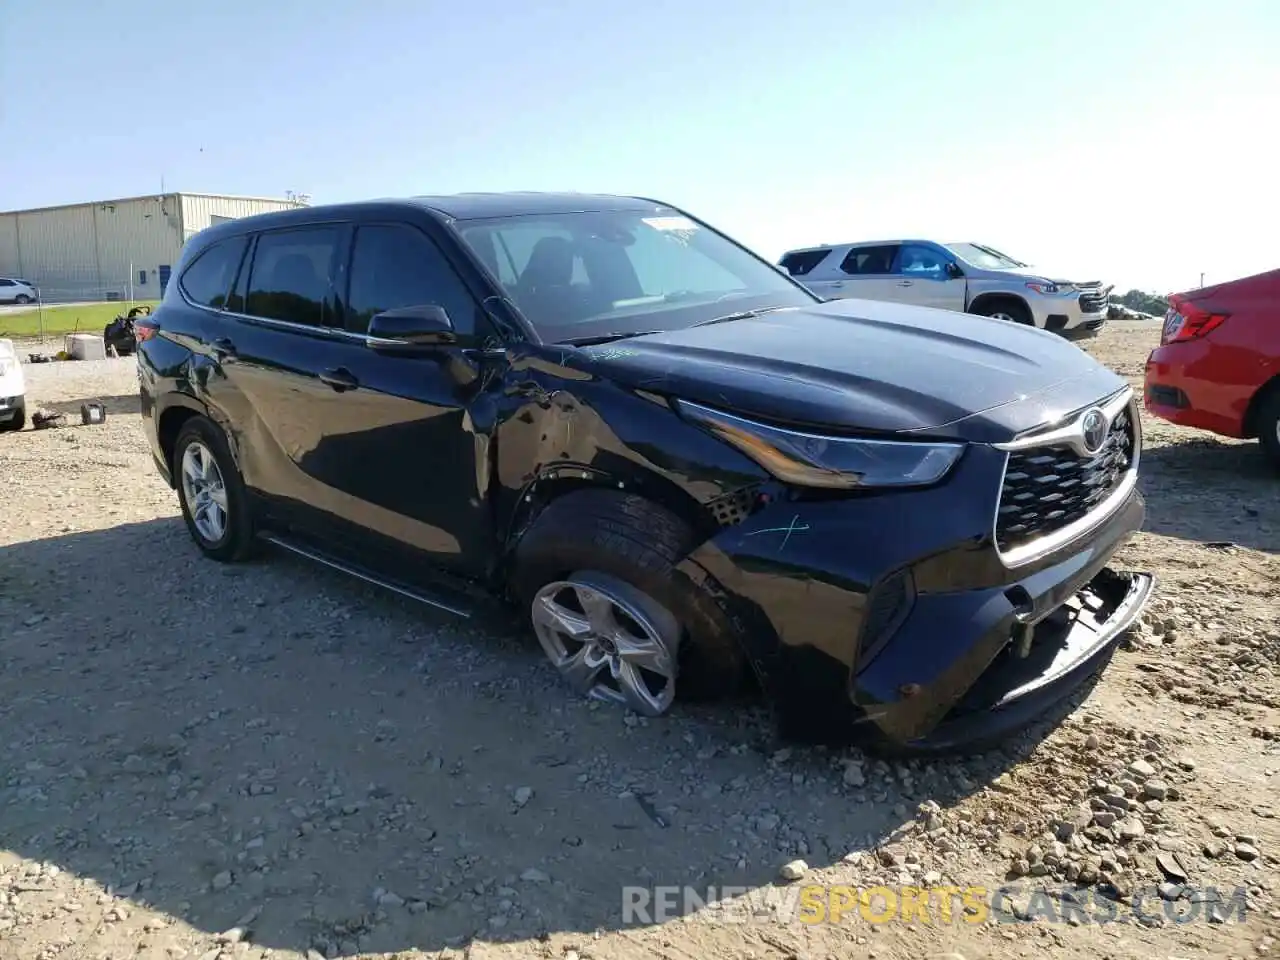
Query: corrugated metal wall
111	250
199	211
135	239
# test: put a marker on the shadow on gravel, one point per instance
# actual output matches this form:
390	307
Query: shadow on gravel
120	404
1212	492
277	745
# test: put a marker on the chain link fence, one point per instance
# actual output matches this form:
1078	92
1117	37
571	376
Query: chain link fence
70	298
84	284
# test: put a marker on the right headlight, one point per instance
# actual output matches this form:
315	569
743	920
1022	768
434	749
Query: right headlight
842	463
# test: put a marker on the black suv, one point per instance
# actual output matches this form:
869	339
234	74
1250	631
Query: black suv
683	468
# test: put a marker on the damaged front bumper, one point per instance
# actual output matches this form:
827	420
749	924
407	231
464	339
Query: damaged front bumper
1038	664
921	641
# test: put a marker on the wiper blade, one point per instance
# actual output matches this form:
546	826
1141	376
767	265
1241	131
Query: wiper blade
740	315
607	337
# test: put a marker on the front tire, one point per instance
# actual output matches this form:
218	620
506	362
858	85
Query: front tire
22	298
597	577
1011	310
214	502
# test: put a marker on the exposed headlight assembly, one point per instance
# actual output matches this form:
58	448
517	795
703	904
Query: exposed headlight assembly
841	463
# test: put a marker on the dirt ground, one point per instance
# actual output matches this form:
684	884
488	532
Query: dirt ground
276	761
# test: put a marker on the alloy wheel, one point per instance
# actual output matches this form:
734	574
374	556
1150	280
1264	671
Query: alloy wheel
609	640
204	491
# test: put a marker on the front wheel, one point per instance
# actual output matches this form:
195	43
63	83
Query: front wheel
597	573
1010	310
22	298
211	492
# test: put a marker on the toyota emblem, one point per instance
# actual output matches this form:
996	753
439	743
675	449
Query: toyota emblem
1093	429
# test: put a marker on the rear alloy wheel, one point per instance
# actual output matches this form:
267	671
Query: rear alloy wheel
205	492
1268	423
213	498
609	640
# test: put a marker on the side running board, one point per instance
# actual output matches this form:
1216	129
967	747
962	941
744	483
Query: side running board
456	607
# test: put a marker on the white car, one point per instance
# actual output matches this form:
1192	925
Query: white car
964	277
13	389
15	290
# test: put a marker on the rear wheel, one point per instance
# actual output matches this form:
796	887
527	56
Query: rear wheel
1011	310
597	575
211	492
1268	423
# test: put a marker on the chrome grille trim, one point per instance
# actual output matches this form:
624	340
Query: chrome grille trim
1070	435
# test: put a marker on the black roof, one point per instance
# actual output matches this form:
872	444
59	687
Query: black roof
460	206
474	206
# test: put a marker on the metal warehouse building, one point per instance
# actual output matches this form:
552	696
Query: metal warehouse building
113	249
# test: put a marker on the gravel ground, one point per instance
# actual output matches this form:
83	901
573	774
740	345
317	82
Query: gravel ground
275	761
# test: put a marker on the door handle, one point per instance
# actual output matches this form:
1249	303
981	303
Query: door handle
340	378
223	349
904	283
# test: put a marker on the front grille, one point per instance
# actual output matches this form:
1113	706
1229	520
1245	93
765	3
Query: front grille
1093	301
1049	488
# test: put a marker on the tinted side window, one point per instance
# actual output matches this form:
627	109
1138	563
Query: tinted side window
7	283
798	264
207	279
869	260
292	275
395	265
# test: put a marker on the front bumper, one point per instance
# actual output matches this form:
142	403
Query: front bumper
1070	645
803	581
1068	315
11	408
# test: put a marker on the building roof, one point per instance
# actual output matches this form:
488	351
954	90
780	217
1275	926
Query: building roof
148	196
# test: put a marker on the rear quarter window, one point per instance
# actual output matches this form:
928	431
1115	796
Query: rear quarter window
207	279
802	262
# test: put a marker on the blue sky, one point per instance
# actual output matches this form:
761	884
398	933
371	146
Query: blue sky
1131	144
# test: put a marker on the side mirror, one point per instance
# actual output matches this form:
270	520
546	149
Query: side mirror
953	271
420	327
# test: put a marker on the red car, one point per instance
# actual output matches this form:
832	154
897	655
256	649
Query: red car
1218	363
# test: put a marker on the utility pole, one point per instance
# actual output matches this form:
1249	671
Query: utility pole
1201	278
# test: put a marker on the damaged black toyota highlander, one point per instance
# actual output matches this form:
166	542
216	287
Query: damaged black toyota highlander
684	471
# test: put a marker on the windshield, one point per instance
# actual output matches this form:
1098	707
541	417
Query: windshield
622	272
980	255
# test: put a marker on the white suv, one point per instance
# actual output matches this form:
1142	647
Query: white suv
966	277
14	290
13	401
